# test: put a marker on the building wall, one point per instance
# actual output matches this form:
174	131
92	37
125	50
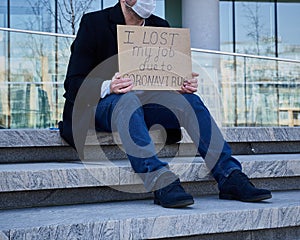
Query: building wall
257	93
266	28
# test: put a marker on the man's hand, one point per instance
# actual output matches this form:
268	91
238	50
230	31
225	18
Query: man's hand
120	85
190	86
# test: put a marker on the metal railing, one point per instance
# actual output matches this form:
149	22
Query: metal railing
245	55
31	81
14	30
192	49
249	90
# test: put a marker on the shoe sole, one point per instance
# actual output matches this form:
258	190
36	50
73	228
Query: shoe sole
178	204
254	199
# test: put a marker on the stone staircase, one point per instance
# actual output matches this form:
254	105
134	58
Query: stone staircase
47	193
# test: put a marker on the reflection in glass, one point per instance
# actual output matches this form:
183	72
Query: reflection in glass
226	26
289	30
249	91
238	90
32	83
32	15
3	14
255	30
70	13
62	16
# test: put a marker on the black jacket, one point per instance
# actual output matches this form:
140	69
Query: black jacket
96	41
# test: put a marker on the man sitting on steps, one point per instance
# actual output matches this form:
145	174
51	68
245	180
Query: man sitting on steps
96	42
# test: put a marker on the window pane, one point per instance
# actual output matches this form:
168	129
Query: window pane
70	13
160	8
255	28
3	13
289	30
109	3
226	34
32	15
3	62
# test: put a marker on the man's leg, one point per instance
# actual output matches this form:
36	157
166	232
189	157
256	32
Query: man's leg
111	115
227	171
212	147
123	113
171	109
196	119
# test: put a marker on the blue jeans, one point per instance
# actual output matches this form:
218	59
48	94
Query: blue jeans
132	114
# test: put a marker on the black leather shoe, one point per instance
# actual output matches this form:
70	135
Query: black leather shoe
173	196
238	187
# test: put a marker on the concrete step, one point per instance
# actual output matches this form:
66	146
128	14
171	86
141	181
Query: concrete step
209	218
42	184
20	146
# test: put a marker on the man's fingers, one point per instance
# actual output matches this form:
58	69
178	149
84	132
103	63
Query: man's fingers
120	80
188	89
117	75
195	74
126	89
122	85
191	83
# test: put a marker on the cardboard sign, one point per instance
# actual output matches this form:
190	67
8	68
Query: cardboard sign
155	58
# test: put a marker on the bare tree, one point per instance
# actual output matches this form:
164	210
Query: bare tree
255	27
75	9
41	60
69	13
40	20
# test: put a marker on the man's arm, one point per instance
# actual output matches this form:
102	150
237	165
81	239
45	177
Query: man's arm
82	59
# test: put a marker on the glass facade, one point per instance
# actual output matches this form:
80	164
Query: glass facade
226	26
250	91
3	13
289	30
31	81
254	28
33	66
270	90
266	28
59	16
31	15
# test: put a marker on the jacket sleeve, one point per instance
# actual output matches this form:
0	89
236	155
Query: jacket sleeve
83	58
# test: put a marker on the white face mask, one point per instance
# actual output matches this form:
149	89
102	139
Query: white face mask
143	8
